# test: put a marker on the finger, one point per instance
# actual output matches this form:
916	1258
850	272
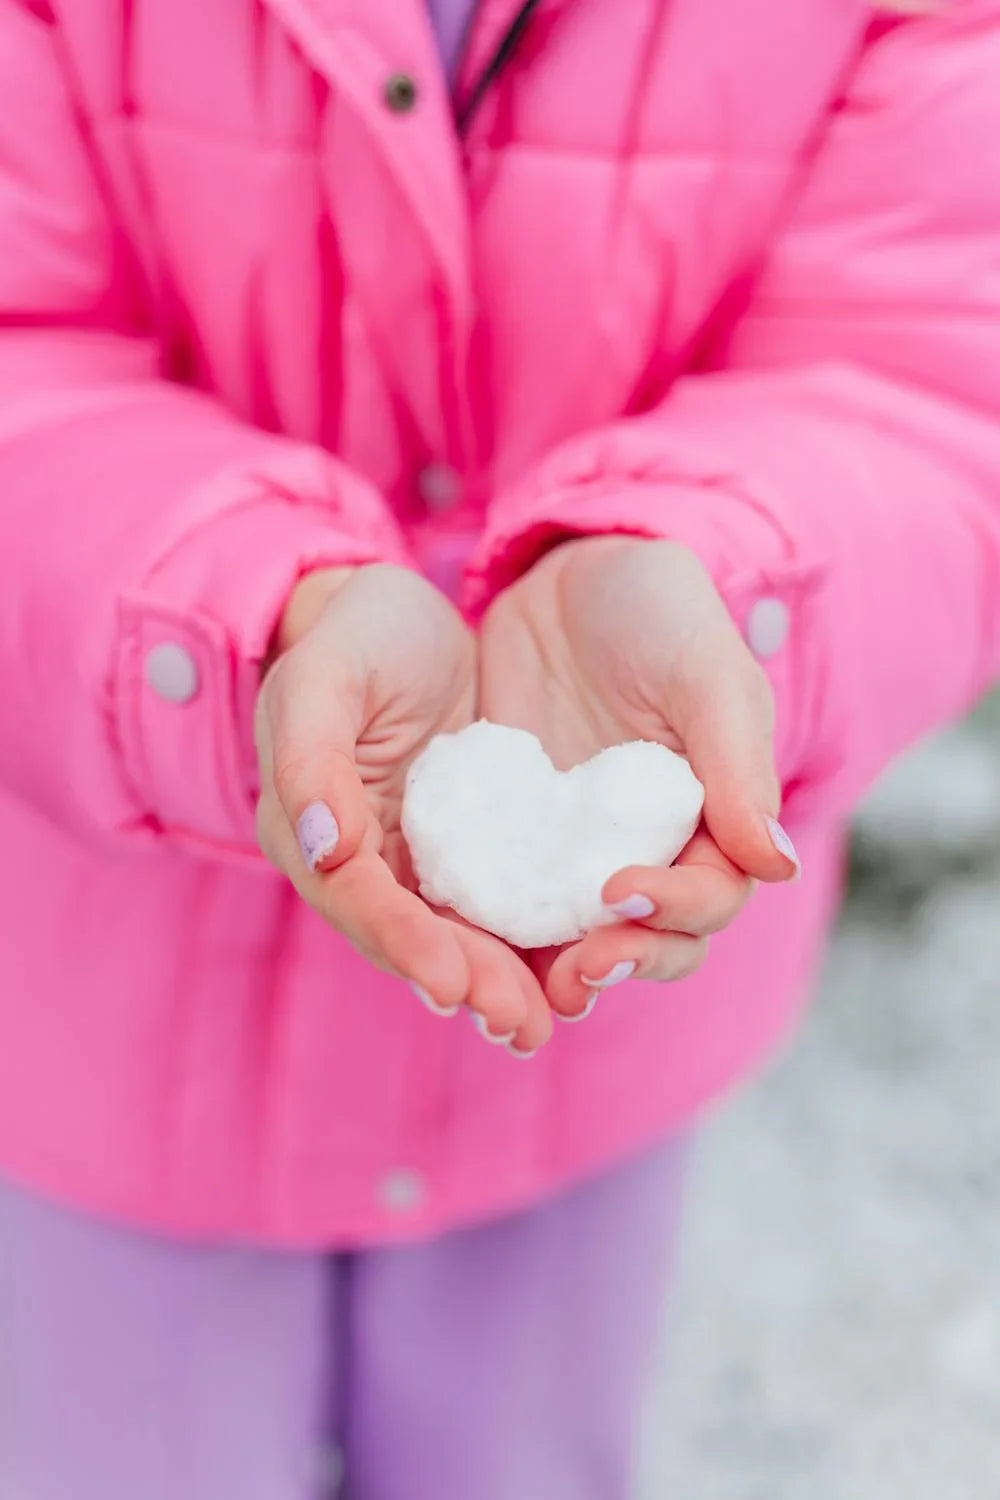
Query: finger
610	955
391	926
507	1001
312	724
540	961
687	899
728	737
699	895
574	1004
537	1028
533	1027
670	957
496	999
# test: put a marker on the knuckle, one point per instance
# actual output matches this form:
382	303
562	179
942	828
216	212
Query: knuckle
693	958
678	958
731	909
717	922
289	770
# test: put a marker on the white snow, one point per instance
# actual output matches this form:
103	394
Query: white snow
524	850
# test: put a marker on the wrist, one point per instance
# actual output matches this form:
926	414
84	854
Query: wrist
575	549
594	555
598	550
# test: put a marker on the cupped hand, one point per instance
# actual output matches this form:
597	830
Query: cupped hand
369	664
610	639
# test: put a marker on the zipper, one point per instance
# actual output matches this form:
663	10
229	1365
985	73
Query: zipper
509	42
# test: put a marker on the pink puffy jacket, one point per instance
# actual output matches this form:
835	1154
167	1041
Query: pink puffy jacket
723	272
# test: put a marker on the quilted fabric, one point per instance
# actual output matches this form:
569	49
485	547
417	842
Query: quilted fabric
723	272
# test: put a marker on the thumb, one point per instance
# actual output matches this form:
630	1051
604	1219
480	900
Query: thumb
312	715
728	738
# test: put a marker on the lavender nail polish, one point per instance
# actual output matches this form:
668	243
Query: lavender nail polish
497	1039
633	908
519	1052
620	972
427	999
318	834
581	1015
782	842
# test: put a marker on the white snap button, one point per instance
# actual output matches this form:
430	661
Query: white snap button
439	487
767	627
172	672
402	1190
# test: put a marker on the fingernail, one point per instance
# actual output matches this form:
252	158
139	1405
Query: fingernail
782	842
318	834
581	1015
497	1039
431	1003
620	971
633	908
522	1052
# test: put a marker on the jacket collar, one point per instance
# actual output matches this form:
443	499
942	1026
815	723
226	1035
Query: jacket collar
357	45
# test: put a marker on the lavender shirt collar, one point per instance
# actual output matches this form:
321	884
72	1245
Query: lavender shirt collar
450	19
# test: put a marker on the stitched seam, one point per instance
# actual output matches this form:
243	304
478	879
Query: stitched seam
775	160
710	150
116	120
767	309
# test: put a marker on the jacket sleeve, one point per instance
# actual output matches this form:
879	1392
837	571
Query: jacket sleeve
845	462
148	539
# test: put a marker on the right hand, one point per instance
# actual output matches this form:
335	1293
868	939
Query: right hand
609	639
371	663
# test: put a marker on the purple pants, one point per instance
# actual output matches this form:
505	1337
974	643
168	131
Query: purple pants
505	1362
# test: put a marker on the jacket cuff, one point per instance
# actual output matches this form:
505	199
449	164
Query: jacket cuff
190	645
773	592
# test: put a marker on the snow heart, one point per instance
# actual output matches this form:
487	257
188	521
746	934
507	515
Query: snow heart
523	850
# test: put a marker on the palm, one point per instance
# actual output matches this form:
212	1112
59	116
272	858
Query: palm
611	639
407	670
419	670
382	665
581	651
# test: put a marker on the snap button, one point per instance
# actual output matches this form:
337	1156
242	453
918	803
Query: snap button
172	672
401	1190
767	627
438	487
400	93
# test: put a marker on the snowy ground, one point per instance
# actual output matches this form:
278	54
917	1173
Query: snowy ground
836	1333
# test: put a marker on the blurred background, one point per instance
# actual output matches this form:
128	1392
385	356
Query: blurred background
836	1332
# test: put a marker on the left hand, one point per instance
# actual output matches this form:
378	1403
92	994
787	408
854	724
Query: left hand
369	664
609	639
